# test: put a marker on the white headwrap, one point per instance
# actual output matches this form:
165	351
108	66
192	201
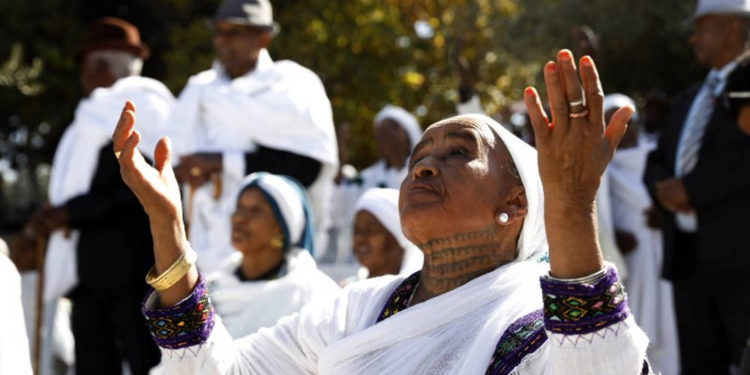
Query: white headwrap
404	119
532	242
617	100
383	203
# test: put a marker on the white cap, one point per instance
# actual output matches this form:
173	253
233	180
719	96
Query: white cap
706	7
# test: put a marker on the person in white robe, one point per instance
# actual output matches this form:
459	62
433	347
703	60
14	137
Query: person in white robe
649	295
246	114
396	133
379	243
14	344
277	290
474	203
111	63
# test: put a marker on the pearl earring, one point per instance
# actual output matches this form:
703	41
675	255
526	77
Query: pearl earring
503	217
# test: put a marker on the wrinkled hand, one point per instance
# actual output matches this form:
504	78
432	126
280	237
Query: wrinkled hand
672	195
197	169
573	152
159	193
156	187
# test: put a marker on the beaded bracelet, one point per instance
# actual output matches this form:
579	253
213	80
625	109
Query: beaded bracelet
174	273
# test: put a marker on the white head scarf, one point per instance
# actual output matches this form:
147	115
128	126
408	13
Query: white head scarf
290	205
383	203
532	242
617	100
404	119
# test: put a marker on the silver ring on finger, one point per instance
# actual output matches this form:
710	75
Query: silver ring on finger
575	103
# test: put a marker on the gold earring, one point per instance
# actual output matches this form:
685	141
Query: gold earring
277	241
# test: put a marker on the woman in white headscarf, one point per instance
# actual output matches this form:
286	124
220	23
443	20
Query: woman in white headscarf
649	296
485	301
396	133
272	273
379	243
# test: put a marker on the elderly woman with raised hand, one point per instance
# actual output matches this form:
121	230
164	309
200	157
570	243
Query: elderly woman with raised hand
273	273
379	243
485	300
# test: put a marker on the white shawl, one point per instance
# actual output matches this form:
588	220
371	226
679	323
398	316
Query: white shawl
248	306
649	296
280	105
14	344
77	155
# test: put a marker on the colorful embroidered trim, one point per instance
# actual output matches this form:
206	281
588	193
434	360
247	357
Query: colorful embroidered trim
399	299
581	308
523	337
185	324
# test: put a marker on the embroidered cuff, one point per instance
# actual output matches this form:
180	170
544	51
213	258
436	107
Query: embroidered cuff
575	309
185	324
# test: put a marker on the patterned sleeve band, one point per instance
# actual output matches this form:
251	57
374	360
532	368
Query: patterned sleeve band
579	308
185	324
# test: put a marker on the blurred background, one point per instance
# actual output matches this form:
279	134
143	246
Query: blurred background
413	53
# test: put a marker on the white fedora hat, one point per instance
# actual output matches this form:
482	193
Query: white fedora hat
706	7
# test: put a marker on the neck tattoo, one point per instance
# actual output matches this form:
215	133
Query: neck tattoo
450	262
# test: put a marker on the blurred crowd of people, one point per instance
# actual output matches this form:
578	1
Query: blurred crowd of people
277	221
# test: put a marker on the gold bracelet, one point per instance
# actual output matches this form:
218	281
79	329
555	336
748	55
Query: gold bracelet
174	273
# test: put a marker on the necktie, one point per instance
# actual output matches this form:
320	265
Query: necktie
696	126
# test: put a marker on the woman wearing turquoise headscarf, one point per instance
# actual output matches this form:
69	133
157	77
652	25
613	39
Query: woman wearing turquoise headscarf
272	274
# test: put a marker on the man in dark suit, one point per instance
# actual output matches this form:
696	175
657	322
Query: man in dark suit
94	215
699	176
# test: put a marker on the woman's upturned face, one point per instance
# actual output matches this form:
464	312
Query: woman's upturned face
253	223
374	246
458	176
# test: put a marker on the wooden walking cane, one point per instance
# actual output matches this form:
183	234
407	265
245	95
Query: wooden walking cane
41	249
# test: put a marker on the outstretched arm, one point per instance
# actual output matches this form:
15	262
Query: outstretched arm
574	150
585	314
159	194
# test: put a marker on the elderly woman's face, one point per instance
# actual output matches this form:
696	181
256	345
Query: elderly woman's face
374	246
253	223
458	174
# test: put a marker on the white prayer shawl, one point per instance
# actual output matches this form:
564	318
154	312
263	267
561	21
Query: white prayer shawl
453	333
383	204
248	306
280	105
649	296
14	344
77	155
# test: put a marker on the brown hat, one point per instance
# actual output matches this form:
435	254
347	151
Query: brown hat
109	33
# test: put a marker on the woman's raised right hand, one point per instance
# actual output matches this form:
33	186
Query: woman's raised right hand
156	187
159	193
